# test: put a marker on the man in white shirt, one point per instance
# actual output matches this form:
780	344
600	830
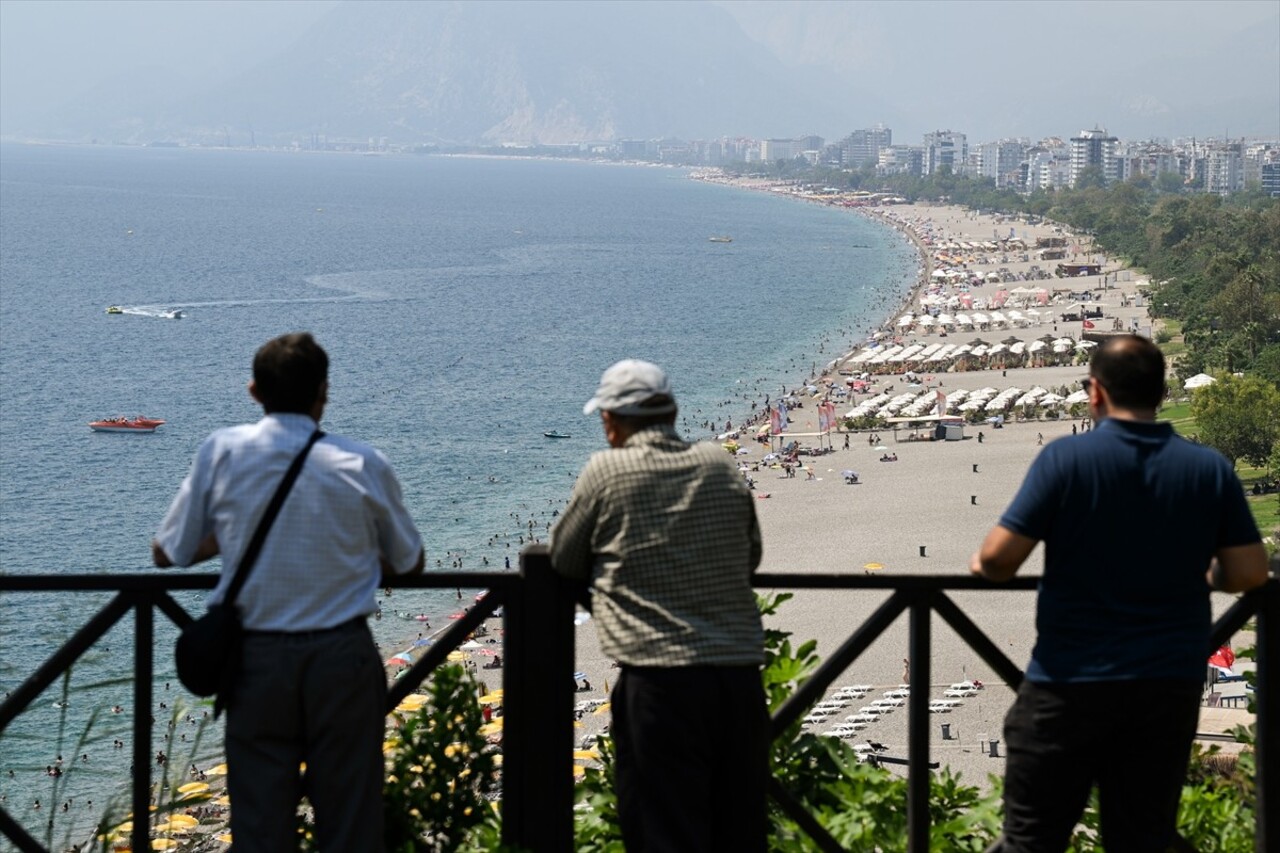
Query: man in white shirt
310	687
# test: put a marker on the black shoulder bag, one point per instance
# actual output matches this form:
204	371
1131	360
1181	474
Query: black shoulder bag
208	649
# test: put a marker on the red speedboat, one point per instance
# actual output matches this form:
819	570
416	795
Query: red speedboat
135	424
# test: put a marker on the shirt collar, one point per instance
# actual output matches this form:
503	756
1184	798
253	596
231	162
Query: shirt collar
292	421
654	435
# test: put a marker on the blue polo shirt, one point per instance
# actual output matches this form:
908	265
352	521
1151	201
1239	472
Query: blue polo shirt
1130	515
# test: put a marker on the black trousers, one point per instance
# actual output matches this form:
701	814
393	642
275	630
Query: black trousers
1130	738
692	758
318	698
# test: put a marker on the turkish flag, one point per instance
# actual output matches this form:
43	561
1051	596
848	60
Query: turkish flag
1222	660
1088	325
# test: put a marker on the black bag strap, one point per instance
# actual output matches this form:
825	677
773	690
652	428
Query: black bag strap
268	517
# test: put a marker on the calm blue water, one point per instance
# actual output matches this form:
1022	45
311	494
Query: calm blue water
467	306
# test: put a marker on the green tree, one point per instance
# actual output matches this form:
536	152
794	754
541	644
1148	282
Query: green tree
1237	417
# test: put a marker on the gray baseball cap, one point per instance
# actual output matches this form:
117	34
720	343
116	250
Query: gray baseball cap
627	385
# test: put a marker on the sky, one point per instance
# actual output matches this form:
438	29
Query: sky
971	65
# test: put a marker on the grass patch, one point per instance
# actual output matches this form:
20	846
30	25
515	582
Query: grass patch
1179	414
1266	513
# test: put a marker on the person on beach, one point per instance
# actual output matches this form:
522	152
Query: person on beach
310	686
666	533
1139	525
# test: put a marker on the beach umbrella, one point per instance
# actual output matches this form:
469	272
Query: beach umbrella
184	820
217	770
494	698
400	659
873	567
193	787
470	646
456	657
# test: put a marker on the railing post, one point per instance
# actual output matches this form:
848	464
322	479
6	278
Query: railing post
1267	745
143	665
537	800
919	654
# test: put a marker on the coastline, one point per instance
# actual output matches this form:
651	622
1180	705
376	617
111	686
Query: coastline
926	512
940	496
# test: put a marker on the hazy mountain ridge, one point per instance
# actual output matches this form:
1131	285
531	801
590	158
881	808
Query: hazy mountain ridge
500	72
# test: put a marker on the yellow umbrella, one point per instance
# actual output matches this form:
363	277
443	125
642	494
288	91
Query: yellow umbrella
170	826
193	787
183	820
163	844
579	770
216	770
494	698
224	800
873	567
225	838
456	657
603	709
586	754
491	728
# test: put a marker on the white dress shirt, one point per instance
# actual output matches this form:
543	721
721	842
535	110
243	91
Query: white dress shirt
319	566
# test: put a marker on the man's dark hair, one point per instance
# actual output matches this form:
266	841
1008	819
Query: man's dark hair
1131	368
288	372
642	421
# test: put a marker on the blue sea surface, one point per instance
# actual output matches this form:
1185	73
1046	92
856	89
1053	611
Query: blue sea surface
467	305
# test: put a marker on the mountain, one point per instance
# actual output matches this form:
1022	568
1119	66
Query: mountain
494	73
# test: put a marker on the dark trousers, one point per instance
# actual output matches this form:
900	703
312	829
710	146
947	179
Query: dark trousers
1130	738
692	758
317	698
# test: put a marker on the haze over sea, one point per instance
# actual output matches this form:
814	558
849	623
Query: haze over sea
467	305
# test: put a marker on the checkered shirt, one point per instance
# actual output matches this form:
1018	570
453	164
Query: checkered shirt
667	533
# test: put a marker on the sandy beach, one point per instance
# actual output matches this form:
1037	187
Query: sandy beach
942	496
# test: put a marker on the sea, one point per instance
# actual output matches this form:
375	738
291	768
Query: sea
468	305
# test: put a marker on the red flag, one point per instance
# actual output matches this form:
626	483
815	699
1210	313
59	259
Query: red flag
1088	325
1222	659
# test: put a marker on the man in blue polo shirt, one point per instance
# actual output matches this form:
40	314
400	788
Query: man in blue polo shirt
1139	525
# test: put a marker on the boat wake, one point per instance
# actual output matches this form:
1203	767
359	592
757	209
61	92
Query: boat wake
349	287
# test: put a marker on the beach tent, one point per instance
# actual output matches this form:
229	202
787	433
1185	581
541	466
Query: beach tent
1198	381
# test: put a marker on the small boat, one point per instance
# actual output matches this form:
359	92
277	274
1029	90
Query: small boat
114	309
136	424
555	433
723	238
175	314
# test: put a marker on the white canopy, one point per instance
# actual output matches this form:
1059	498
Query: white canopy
1198	381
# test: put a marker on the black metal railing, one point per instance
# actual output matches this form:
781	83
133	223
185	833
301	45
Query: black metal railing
539	661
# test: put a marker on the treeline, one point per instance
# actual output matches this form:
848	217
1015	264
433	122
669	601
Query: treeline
1214	262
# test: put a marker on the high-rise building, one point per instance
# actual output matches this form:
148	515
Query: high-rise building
900	160
1001	161
863	146
944	148
1270	177
1094	148
772	150
1223	170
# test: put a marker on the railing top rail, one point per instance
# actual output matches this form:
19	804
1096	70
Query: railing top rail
168	581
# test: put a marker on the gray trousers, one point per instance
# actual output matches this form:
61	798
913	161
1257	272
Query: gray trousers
319	698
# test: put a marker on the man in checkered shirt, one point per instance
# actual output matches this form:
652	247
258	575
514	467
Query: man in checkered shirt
666	533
